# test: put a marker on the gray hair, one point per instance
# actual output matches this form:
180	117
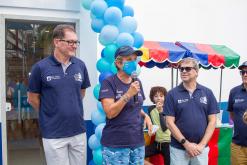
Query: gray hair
59	30
190	60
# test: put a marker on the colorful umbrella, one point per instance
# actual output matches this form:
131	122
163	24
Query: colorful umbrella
216	56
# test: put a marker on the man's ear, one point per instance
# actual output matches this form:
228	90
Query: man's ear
55	42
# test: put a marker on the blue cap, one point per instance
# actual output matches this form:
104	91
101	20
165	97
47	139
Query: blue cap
244	64
126	51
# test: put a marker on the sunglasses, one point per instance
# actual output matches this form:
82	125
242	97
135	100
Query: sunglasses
186	69
243	72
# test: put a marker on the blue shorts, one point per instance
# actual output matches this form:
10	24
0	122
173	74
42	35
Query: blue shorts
123	156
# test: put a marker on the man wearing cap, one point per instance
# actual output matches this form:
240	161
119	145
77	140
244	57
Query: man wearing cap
122	137
190	111
237	106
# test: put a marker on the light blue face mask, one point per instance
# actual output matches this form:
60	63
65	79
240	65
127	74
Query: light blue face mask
129	67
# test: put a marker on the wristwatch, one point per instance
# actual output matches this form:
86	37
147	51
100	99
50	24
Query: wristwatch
183	141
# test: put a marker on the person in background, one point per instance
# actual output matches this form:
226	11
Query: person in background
57	86
190	111
163	135
122	137
237	106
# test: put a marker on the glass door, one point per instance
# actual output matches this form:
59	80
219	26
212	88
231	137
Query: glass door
26	43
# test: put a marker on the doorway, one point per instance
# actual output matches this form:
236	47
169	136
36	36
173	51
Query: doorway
26	42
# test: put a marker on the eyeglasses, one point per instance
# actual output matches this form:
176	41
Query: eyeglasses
71	42
243	72
186	69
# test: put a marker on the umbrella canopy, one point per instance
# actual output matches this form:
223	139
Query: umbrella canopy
161	54
216	56
167	54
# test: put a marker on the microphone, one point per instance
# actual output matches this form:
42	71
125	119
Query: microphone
134	78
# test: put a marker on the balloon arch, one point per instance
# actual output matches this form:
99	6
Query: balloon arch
116	25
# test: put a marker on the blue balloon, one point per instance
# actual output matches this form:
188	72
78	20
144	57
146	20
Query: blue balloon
97	157
98	8
97	24
99	129
125	39
104	75
128	24
128	11
113	15
109	52
96	91
102	53
92	16
103	66
100	107
113	68
91	162
138	40
116	3
87	4
108	34
94	142
98	117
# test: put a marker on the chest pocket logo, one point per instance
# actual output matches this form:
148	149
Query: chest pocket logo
182	101
204	100
78	77
49	78
238	101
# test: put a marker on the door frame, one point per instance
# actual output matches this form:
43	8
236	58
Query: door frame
3	18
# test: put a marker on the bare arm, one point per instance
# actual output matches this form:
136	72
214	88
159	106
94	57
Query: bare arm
83	92
34	100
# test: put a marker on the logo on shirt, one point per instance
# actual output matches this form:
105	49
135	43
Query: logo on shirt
78	77
238	100
49	78
180	101
118	94
204	100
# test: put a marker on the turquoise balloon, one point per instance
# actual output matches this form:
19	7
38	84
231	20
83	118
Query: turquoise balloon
113	16
98	8
138	40
97	157
128	24
96	91
93	142
128	11
99	129
125	39
87	4
113	68
109	52
103	65
100	107
108	34
117	3
98	117
97	24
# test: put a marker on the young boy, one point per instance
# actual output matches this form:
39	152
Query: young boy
162	137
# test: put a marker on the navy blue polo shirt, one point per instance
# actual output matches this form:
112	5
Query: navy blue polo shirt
61	108
237	104
190	111
126	129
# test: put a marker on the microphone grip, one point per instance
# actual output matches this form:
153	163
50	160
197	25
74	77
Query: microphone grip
135	96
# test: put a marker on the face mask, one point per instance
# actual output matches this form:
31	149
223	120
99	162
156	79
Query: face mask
129	67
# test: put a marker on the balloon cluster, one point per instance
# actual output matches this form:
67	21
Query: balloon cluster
116	25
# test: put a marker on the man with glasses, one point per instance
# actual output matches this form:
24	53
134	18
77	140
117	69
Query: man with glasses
190	111
237	106
57	85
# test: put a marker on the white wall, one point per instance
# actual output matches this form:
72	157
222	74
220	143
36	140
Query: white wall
204	21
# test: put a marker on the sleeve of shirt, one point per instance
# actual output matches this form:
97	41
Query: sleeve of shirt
169	107
212	104
230	102
106	90
86	83
35	80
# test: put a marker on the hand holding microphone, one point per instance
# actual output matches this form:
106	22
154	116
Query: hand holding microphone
134	87
134	79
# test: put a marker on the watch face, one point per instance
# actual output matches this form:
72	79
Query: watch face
182	141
